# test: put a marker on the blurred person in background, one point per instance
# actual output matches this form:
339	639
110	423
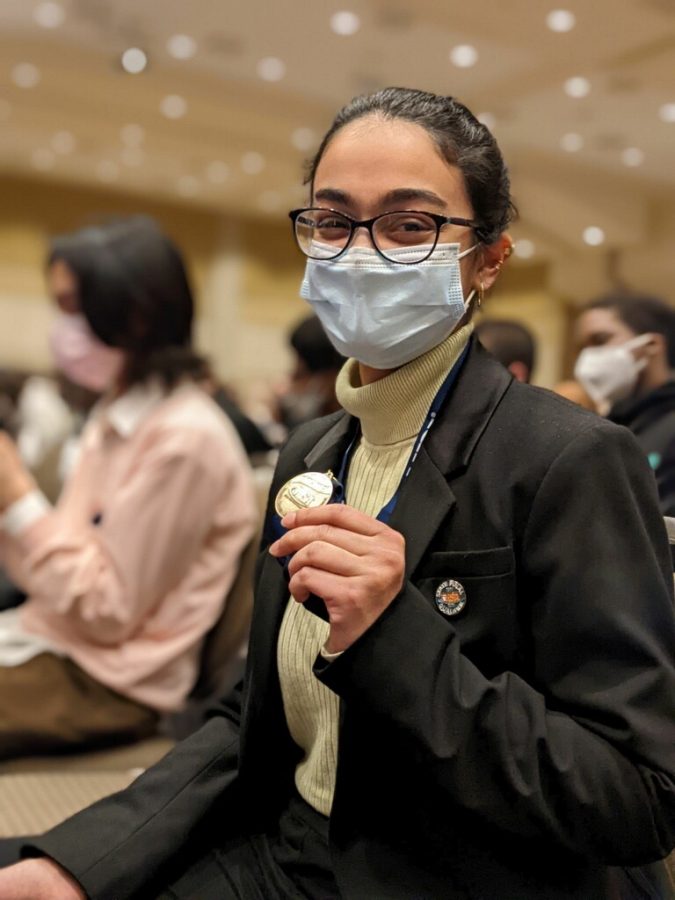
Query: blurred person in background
626	365
573	391
44	423
310	391
460	684
128	572
254	441
511	343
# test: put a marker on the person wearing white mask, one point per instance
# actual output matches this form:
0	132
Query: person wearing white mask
626	364
461	672
127	573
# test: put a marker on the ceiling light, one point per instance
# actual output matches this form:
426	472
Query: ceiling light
252	162
271	68
5	109
134	61
270	201
107	170
217	172
593	236
187	186
577	87
464	56
132	156
571	142
43	159
667	112
173	106
561	20
488	119
633	156
49	15
181	46
524	248
304	139
345	22
63	142
132	135
26	75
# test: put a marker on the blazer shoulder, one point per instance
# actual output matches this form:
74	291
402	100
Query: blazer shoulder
547	424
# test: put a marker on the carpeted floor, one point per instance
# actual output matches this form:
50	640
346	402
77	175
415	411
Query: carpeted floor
32	803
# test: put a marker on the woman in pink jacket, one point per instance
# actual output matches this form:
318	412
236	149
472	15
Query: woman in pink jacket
129	571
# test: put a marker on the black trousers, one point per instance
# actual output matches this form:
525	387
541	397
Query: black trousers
292	863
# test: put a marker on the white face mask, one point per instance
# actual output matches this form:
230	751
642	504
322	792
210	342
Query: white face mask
610	373
382	313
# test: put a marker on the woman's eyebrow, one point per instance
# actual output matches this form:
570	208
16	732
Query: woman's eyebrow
333	195
405	195
398	195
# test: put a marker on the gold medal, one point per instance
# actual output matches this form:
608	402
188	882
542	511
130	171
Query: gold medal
305	491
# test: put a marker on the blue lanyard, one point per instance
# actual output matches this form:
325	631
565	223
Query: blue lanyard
386	512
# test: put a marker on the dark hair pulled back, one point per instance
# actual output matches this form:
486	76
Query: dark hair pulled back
462	140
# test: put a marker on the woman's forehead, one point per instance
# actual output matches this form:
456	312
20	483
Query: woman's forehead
372	157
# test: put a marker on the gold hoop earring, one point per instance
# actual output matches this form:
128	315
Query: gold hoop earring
481	294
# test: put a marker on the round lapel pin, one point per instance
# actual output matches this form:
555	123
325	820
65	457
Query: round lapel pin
450	597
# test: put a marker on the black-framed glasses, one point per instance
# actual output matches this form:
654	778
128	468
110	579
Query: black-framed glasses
326	233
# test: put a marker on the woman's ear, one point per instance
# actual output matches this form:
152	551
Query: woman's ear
493	257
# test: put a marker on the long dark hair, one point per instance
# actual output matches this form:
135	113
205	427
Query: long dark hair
461	139
134	292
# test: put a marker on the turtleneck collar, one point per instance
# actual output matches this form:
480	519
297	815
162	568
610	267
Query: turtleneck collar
393	408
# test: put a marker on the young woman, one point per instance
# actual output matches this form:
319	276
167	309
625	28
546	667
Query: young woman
129	571
469	692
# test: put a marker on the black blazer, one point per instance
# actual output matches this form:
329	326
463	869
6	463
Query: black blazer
516	750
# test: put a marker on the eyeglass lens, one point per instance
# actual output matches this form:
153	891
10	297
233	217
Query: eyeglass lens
322	234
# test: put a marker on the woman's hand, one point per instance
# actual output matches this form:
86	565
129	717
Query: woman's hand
355	563
38	879
15	481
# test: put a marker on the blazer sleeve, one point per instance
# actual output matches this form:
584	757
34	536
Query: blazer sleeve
122	846
583	750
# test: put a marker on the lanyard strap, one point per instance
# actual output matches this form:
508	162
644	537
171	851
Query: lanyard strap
387	511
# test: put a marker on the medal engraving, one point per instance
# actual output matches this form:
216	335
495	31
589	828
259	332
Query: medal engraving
305	491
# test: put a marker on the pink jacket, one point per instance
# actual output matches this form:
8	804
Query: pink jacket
129	571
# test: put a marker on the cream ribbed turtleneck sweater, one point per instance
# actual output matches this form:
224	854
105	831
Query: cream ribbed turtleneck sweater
391	412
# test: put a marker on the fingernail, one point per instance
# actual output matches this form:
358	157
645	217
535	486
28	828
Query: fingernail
288	520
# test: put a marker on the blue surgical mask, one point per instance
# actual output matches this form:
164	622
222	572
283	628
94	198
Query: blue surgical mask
382	313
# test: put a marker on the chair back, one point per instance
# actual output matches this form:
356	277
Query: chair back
224	650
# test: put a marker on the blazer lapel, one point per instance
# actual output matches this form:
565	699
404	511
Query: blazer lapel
329	450
271	585
426	498
424	502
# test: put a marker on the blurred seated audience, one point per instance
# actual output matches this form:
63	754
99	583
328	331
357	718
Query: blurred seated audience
310	389
626	365
511	343
11	383
44	423
255	442
129	571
